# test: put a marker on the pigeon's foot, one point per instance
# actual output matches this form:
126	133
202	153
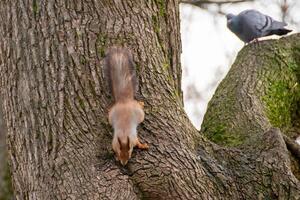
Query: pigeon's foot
255	42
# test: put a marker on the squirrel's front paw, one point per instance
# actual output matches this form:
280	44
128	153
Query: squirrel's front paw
141	103
141	145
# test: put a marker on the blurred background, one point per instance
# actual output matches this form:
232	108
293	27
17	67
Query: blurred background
209	48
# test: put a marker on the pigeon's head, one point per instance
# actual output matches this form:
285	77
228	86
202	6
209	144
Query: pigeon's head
232	23
230	16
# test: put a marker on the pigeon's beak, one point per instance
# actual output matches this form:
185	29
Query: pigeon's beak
229	21
229	17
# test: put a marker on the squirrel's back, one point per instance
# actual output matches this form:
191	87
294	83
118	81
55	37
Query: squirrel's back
120	72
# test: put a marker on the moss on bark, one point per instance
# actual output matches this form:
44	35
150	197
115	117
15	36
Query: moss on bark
6	191
260	91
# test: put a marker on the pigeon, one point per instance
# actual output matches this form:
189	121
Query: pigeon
252	24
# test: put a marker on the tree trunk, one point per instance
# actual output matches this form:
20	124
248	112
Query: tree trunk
55	105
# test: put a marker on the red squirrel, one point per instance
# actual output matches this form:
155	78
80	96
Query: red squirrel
126	113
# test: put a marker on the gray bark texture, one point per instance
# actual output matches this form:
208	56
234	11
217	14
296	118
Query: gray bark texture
55	105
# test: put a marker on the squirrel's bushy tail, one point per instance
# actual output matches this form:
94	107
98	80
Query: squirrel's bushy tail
120	72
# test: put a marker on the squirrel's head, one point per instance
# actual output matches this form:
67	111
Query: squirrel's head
123	149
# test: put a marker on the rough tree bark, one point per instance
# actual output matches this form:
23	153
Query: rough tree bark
55	105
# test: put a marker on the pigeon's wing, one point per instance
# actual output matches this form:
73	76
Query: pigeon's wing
278	25
256	19
262	23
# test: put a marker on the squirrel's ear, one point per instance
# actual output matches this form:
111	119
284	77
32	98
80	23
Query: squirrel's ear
128	142
120	143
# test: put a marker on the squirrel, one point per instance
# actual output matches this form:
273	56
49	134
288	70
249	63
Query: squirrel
126	113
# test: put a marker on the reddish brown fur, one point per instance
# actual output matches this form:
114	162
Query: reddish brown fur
124	150
126	113
122	116
120	70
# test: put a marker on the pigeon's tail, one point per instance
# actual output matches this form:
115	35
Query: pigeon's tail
280	31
